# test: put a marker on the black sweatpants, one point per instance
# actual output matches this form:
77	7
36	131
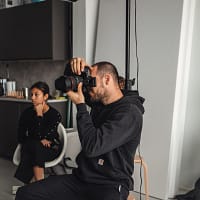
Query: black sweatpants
69	187
33	153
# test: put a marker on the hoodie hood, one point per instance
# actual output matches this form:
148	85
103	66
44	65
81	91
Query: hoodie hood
133	97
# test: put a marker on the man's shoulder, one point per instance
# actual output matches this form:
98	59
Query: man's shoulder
134	100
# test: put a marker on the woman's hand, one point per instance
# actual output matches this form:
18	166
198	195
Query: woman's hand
39	109
46	143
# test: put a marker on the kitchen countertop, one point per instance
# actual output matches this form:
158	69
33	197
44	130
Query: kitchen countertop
4	98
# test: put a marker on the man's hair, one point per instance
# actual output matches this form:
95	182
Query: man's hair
107	67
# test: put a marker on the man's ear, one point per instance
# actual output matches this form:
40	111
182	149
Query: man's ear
107	78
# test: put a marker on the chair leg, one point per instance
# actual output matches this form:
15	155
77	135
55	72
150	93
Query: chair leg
138	159
131	197
15	188
146	186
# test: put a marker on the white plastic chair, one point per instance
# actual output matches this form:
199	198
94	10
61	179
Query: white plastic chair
72	150
63	139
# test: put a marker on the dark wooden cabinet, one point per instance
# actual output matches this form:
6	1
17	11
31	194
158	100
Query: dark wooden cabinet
36	31
8	127
10	112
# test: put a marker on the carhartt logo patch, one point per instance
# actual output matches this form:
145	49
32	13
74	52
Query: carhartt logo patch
100	161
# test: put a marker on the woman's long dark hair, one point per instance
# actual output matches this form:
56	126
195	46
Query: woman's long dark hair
41	86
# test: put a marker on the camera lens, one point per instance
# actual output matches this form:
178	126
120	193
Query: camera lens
72	82
66	83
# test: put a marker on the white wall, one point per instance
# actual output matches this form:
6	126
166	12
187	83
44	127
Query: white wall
85	15
79	29
110	44
159	25
190	170
84	28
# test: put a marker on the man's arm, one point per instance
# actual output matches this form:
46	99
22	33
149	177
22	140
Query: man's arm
122	127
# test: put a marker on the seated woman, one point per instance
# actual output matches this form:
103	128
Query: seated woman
37	132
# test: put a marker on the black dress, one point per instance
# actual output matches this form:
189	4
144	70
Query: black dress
32	129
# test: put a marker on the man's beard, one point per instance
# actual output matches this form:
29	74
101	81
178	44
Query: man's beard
99	95
96	98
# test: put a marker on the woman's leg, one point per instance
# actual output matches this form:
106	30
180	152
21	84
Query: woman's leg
41	154
38	173
24	171
33	157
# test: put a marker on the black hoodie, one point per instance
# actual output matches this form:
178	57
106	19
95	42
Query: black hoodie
109	137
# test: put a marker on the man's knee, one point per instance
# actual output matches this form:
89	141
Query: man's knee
22	194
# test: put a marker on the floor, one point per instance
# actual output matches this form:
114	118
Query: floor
7	181
7	170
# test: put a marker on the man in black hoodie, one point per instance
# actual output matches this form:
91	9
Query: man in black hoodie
109	136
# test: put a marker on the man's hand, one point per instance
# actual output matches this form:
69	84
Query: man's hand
77	97
46	143
78	65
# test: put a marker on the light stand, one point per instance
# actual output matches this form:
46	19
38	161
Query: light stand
128	82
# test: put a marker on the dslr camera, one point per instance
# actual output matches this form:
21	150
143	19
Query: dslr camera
66	83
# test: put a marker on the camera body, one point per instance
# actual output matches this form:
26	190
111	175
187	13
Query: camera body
66	83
